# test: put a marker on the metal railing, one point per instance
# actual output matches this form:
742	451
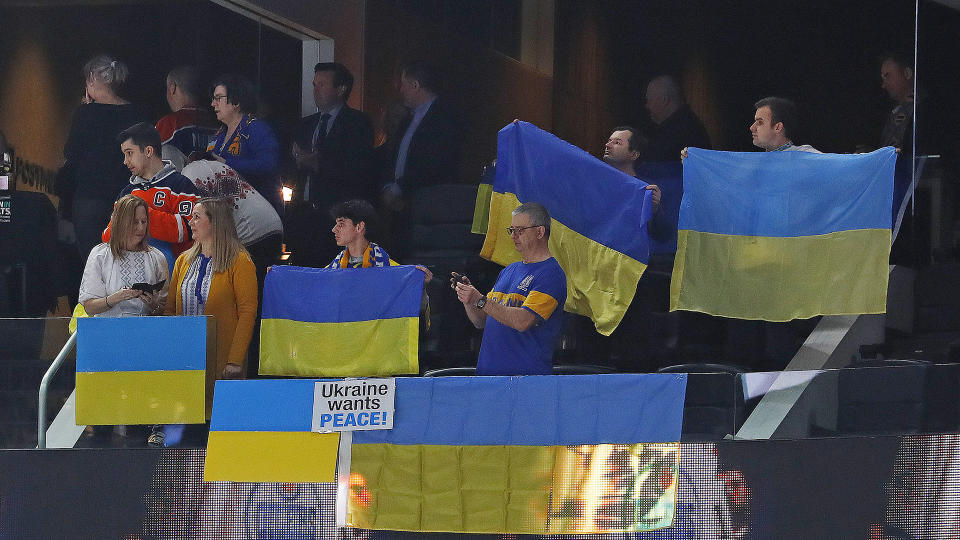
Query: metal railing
44	385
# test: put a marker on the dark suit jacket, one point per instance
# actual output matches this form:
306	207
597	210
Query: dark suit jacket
680	130
434	154
345	158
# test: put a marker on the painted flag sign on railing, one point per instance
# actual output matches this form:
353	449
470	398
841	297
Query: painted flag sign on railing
260	431
130	372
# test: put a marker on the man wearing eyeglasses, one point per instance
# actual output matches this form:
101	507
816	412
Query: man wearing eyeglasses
522	315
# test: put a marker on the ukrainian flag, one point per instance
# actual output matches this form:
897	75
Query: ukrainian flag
784	235
523	455
598	234
129	372
260	432
320	322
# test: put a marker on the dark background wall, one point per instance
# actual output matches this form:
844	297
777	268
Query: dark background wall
44	50
489	87
822	54
728	54
340	20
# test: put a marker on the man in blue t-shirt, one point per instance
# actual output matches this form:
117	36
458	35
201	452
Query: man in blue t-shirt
522	315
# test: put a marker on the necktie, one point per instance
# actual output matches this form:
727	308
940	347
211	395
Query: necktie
321	132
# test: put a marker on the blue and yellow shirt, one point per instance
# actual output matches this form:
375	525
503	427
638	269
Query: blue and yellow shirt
540	288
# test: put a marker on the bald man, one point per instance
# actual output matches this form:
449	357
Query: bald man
677	126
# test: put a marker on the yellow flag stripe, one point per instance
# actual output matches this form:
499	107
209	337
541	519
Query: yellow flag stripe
781	278
140	397
483	489
379	347
506	489
271	456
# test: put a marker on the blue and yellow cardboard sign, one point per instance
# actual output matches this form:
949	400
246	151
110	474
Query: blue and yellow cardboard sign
129	371
261	431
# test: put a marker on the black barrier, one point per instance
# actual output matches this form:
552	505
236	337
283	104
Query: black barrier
858	487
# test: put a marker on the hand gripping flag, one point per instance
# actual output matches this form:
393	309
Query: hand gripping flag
598	232
320	322
784	235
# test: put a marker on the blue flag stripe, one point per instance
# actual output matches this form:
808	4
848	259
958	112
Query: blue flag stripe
781	194
531	410
331	295
580	191
263	405
141	343
535	410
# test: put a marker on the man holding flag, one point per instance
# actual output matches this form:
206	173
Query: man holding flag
353	219
522	316
367	322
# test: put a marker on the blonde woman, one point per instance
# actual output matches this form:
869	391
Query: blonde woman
216	277
113	268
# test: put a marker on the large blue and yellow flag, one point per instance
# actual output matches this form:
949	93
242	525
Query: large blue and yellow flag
130	372
598	233
320	322
260	432
524	455
784	235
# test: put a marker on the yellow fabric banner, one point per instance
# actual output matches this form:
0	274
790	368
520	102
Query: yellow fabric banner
292	347
781	278
513	489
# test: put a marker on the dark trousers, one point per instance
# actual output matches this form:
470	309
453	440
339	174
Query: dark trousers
90	218
265	253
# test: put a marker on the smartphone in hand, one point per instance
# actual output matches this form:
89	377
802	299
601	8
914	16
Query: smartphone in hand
148	288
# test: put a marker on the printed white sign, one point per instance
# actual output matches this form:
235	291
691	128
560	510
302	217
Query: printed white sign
353	405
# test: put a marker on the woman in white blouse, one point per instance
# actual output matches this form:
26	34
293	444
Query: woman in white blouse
113	267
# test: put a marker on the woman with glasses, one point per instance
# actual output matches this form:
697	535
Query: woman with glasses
245	143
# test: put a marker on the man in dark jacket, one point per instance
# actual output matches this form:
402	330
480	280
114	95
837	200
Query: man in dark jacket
677	126
425	151
333	152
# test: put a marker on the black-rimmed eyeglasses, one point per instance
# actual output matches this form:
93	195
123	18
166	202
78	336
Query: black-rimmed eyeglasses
517	230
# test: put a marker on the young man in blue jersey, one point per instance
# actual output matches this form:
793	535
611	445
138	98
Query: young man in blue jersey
522	315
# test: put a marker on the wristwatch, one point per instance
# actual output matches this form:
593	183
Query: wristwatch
481	302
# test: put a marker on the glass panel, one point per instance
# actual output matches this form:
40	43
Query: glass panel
901	398
27	349
712	408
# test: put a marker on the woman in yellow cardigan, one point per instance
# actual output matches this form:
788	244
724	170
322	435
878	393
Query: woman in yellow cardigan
217	277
